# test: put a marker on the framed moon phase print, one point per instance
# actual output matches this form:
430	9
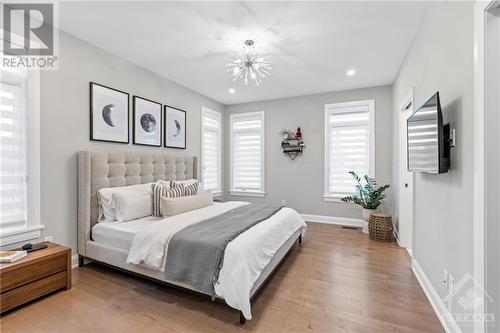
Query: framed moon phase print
175	127
147	122
109	114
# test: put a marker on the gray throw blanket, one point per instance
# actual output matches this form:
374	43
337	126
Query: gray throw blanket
195	254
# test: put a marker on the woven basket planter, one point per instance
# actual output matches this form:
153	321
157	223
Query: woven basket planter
380	227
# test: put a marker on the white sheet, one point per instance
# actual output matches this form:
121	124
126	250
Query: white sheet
150	244
244	259
120	235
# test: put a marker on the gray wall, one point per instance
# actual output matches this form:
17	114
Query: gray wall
301	182
443	203
65	123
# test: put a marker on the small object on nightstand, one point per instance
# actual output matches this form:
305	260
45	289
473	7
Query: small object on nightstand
11	256
30	248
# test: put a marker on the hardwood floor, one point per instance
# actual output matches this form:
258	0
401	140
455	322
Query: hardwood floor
338	281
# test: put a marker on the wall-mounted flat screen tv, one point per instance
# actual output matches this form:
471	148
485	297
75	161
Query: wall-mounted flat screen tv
428	139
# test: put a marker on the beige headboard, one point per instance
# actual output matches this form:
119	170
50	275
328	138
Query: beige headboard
98	169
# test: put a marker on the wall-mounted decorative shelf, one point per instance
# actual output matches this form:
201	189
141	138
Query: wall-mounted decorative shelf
292	145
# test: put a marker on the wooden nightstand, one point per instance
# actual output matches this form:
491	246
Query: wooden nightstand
39	273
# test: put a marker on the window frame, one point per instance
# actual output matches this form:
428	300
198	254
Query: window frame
248	193
218	115
33	227
327	196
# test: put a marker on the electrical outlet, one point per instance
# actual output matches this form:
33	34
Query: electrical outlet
445	278
283	202
451	285
49	239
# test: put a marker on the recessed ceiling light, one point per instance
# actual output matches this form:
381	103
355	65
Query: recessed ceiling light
351	72
231	90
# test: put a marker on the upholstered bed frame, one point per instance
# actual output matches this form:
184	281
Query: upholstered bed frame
99	169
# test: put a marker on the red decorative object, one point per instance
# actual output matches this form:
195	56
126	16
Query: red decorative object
299	133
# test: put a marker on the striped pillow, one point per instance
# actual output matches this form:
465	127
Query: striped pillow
171	191
192	189
173	184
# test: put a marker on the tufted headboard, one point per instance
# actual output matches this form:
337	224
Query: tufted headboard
98	169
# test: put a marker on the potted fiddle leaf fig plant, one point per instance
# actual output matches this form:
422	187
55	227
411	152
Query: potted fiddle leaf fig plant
368	195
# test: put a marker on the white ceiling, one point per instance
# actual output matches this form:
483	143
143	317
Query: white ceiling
312	44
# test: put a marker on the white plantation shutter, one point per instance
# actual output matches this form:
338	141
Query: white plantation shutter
247	153
19	155
349	145
212	150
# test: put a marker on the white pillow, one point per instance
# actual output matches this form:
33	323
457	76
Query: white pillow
163	183
106	203
132	205
175	206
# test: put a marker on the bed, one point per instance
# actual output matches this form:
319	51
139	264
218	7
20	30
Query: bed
110	243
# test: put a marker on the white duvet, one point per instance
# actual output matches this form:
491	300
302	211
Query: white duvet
244	259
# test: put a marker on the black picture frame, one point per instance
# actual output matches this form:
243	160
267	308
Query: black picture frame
165	127
92	136
160	122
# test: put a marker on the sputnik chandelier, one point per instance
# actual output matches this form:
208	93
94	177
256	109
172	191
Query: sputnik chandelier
247	64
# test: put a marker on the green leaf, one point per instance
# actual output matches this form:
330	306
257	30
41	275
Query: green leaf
368	195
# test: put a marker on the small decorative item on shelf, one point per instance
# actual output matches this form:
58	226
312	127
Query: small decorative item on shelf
292	144
298	134
284	133
368	196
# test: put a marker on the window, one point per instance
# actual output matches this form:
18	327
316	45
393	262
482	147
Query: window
247	154
349	145
211	151
19	155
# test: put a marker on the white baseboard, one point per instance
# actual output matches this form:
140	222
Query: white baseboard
444	316
396	236
74	261
358	223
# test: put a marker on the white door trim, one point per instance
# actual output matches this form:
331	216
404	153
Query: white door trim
406	104
479	248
